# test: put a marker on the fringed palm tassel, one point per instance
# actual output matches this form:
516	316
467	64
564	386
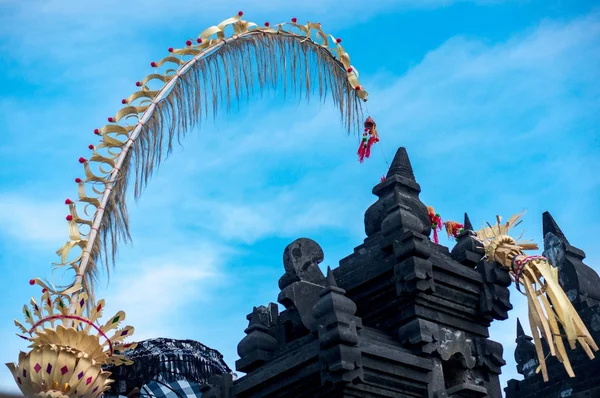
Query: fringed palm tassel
436	223
551	314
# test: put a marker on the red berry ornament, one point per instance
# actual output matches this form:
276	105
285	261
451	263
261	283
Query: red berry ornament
91	146
170	49
357	88
78	180
240	13
338	40
69	217
350	70
188	42
267	24
123	101
81	160
139	84
110	119
153	64
199	40
32	282
294	20
68	201
96	131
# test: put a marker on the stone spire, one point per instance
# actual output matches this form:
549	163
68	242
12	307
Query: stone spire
467	224
468	249
258	346
401	165
340	356
525	354
550	226
577	279
398	204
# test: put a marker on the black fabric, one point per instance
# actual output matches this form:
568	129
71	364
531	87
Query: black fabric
166	360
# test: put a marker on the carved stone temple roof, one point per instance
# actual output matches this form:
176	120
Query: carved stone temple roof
399	317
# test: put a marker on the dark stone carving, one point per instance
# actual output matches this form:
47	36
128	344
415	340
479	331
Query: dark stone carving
303	279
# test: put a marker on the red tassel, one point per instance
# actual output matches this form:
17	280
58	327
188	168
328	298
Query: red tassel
362	149
370	143
436	223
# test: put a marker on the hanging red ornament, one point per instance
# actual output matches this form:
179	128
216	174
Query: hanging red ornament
435	221
370	137
454	229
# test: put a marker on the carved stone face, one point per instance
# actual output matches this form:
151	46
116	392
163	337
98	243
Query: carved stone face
554	250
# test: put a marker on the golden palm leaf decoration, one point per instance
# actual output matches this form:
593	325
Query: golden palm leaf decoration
551	314
226	62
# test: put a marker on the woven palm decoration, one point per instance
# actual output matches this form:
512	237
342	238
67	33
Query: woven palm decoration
166	360
551	314
227	62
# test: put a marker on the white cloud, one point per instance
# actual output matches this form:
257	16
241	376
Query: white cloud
155	291
31	221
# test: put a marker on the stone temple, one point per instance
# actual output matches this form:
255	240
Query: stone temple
403	317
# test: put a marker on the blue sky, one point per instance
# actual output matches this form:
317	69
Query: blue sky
497	102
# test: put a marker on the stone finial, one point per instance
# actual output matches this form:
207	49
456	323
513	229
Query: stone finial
398	194
340	357
258	346
401	165
525	354
579	281
467	224
550	225
520	331
468	249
